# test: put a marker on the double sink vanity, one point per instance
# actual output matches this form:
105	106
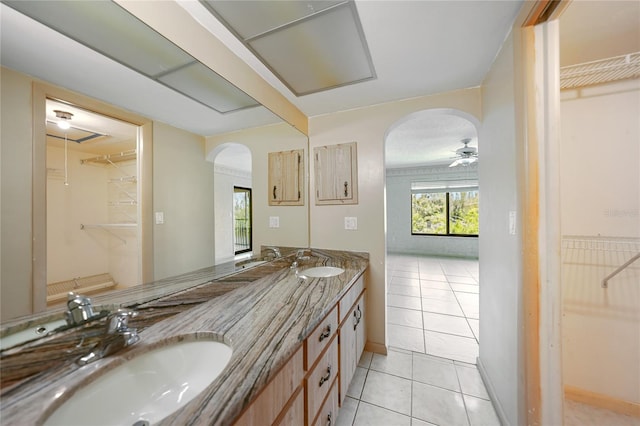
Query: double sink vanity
263	342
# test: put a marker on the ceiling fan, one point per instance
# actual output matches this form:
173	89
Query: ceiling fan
465	155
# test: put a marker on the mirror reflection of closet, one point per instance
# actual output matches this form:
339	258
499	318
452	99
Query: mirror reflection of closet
92	202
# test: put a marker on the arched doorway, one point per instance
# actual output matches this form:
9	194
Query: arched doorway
433	261
232	200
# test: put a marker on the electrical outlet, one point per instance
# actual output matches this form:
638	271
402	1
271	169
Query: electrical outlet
274	221
159	218
351	223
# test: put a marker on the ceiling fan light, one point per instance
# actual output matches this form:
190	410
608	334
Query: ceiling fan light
64	125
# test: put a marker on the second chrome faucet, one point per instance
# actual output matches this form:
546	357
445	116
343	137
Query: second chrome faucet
117	335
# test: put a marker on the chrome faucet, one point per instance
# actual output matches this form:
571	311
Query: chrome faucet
275	250
117	336
79	309
300	255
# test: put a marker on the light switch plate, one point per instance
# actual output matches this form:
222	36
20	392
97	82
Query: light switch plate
351	223
512	222
274	221
159	218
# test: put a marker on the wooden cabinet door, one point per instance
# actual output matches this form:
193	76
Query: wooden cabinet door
286	178
361	327
266	408
336	174
348	352
353	336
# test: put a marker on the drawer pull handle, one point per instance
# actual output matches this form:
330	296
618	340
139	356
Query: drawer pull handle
274	192
355	319
346	188
326	377
357	316
329	419
326	333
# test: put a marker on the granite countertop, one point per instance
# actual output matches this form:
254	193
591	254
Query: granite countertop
264	314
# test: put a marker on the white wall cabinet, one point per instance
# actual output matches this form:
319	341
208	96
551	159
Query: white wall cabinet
286	178
336	174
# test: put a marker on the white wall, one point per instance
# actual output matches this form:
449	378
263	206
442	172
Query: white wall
224	181
183	191
600	196
293	230
501	327
368	127
399	238
16	182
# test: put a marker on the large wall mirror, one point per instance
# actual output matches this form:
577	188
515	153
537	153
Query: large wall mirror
135	189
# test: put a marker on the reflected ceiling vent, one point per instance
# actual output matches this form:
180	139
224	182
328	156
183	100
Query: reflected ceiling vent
63	130
311	46
110	30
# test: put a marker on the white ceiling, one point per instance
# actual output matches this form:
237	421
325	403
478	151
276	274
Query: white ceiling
417	48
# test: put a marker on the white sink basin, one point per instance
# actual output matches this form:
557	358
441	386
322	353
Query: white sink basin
30	333
149	387
321	272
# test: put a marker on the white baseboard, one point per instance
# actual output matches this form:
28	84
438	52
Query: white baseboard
492	393
377	348
603	401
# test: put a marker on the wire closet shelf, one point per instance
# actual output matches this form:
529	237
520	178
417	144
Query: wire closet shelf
610	255
600	71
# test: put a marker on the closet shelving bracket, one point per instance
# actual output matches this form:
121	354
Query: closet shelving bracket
109	227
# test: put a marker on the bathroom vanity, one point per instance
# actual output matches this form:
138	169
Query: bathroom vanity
295	341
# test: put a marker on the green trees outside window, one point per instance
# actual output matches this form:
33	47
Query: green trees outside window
445	213
242	219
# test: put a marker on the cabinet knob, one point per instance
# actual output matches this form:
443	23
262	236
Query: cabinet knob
326	377
326	333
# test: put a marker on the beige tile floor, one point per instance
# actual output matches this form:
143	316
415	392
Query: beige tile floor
429	376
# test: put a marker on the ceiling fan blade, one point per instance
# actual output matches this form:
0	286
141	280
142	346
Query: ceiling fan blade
455	163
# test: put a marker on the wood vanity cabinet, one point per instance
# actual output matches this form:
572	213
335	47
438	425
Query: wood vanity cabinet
276	404
336	174
286	178
309	389
352	334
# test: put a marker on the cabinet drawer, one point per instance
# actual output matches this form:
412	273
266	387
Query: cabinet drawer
350	298
320	379
328	414
320	338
